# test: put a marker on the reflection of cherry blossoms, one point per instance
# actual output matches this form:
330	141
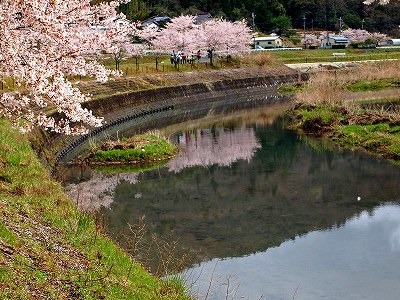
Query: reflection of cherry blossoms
98	191
217	146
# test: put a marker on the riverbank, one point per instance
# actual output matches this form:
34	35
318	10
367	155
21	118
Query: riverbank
357	110
49	249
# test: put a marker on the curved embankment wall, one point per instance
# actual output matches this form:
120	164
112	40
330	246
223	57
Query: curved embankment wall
142	110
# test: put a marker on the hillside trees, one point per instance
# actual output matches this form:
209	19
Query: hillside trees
320	14
41	43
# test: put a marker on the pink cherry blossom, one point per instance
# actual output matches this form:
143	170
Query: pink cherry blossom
361	36
310	39
224	36
182	34
41	43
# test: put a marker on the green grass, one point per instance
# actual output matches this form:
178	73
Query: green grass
290	88
141	149
374	85
379	137
129	168
49	249
325	115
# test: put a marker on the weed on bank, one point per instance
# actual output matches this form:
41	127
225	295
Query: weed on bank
49	249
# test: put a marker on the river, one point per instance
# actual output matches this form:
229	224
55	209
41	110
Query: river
261	212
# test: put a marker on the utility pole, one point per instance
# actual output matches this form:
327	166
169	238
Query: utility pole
254	27
340	25
304	28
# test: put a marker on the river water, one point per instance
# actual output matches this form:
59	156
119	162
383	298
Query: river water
265	212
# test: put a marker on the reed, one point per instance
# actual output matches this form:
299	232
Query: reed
331	86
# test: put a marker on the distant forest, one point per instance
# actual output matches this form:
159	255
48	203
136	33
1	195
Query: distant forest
279	15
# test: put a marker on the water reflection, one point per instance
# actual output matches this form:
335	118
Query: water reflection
356	261
287	189
219	146
93	190
278	209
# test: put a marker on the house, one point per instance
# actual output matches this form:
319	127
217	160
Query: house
334	42
156	22
266	42
202	18
116	20
393	42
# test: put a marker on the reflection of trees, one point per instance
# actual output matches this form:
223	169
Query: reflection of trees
97	189
285	190
207	147
236	205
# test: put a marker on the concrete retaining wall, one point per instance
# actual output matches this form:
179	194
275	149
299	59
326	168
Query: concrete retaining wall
142	110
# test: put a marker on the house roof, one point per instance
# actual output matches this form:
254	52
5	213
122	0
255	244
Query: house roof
202	18
157	21
340	39
266	38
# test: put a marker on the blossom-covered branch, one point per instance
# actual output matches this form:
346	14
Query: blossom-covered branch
41	43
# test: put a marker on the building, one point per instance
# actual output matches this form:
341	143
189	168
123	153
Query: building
202	18
156	22
393	42
266	42
334	42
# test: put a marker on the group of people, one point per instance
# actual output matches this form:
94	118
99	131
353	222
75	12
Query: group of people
182	58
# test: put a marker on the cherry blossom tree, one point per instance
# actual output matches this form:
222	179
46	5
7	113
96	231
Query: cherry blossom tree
137	52
310	39
180	34
378	37
356	35
215	35
41	43
362	36
225	36
149	35
119	34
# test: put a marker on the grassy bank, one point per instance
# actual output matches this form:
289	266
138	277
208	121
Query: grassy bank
335	104
142	149
372	131
48	249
